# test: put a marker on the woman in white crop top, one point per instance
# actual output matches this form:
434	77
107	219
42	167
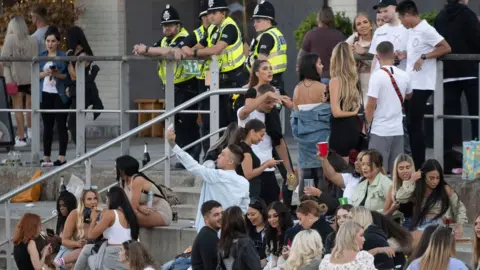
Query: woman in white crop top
117	224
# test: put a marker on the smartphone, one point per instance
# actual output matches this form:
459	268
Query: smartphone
50	232
53	67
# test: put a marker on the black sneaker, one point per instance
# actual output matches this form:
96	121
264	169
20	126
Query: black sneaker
59	163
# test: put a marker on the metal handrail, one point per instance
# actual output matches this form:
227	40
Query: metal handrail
150	165
121	138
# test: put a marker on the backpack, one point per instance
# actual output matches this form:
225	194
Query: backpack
166	193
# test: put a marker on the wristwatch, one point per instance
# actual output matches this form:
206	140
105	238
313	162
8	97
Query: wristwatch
423	56
146	49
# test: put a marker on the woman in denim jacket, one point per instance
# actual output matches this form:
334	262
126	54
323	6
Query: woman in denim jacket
52	88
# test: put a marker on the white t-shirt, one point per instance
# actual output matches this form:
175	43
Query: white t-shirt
264	149
49	83
351	183
396	34
388	116
422	40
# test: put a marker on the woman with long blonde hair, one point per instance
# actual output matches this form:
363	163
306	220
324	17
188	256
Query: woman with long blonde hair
18	42
348	253
76	227
403	170
344	100
306	251
440	253
134	254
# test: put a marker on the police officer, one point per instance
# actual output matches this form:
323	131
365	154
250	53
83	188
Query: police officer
226	42
185	84
203	32
269	45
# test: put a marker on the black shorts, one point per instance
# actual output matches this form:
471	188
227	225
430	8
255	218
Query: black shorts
25	88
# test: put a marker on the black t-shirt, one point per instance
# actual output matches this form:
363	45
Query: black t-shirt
204	250
258	239
189	41
22	257
255	160
229	35
174	44
265	44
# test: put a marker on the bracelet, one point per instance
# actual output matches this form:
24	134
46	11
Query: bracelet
146	49
195	52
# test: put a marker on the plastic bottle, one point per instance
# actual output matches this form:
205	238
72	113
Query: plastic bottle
62	184
146	155
150	198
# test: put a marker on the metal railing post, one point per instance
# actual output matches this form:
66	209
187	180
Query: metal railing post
478	120
124	105
35	90
169	105
8	234
80	141
215	99
88	173
438	115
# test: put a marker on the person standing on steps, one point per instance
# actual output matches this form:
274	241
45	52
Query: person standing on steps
223	184
39	19
186	86
226	43
424	46
203	32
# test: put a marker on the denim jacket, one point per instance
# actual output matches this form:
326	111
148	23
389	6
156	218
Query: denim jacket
60	84
309	128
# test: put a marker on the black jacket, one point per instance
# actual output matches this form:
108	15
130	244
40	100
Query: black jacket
374	238
460	27
244	254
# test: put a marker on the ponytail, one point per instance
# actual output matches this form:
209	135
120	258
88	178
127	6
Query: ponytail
242	133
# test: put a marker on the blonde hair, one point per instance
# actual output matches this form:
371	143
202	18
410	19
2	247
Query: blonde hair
362	216
396	180
344	68
363	14
18	35
440	248
476	248
138	257
80	232
307	246
345	239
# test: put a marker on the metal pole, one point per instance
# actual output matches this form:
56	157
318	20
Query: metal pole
80	143
438	111
88	173
214	100
169	105
35	90
478	121
124	106
8	234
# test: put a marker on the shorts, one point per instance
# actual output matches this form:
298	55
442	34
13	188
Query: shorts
429	221
25	88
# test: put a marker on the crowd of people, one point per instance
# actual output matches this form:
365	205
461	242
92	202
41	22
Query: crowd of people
368	200
57	79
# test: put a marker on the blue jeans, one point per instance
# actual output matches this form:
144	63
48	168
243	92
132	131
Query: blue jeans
325	80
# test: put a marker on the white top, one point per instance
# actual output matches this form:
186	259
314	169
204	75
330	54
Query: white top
117	234
264	149
396	34
49	83
388	116
39	35
422	40
351	183
226	187
362	261
148	268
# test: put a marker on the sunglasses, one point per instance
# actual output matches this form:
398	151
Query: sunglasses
92	188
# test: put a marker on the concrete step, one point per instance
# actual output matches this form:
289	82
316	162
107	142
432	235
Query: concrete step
188	195
186	211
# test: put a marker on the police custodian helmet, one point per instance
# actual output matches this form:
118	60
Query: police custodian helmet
217	5
203	8
264	10
170	15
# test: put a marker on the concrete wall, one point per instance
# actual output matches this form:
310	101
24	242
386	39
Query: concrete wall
104	26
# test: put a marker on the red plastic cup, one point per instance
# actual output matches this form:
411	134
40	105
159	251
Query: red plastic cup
322	148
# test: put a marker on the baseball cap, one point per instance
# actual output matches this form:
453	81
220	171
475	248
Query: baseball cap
385	3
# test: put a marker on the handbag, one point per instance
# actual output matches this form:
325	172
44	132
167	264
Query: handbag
12	88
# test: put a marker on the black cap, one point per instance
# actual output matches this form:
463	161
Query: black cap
385	3
214	5
264	10
203	8
170	15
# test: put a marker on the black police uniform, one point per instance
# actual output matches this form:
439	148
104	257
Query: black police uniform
186	126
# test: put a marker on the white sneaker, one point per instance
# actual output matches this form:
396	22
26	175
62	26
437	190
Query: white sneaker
20	143
29	133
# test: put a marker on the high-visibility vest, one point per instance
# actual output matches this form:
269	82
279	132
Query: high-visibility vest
232	56
180	76
278	54
199	35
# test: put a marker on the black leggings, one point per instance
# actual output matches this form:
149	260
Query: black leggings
52	102
270	188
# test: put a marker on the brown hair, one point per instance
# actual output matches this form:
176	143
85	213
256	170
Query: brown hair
265	88
311	207
440	248
326	17
346	207
476	248
137	256
375	158
40	10
255	68
27	228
